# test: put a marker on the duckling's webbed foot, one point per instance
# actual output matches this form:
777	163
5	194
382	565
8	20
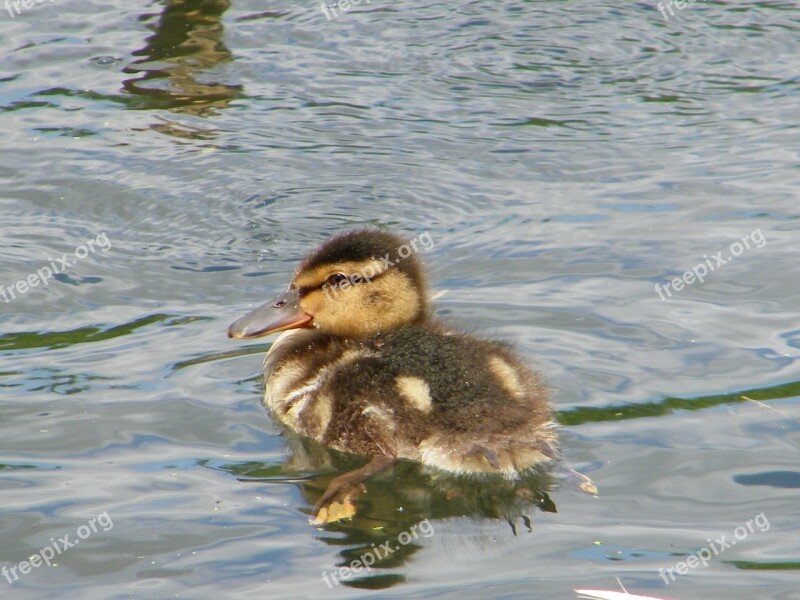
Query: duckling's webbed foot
343	484
479	450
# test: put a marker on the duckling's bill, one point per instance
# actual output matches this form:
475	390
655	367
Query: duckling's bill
279	314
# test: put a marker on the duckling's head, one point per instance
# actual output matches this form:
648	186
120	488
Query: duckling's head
354	285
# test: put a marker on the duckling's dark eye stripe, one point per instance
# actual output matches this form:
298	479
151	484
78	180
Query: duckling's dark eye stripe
303	291
335	279
354	279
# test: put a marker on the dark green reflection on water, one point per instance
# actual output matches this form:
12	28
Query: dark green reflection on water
26	340
581	415
759	566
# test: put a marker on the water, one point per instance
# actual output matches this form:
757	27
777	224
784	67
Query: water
564	157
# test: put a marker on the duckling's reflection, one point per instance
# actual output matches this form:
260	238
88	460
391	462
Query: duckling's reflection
187	42
389	516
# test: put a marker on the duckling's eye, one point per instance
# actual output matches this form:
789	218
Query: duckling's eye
336	279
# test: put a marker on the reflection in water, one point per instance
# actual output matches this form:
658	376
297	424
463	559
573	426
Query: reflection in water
395	505
404	499
187	42
665	406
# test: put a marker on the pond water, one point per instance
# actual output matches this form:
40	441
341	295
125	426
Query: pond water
578	166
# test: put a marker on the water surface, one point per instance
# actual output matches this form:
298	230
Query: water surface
565	157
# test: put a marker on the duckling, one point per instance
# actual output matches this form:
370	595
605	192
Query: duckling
362	367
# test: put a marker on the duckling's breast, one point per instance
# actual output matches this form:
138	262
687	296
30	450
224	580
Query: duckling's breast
298	370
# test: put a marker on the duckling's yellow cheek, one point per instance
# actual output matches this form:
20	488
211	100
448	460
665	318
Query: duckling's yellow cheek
416	392
313	303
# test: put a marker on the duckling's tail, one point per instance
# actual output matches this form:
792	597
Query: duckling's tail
497	454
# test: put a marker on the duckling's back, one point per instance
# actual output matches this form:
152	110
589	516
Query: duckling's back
420	392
